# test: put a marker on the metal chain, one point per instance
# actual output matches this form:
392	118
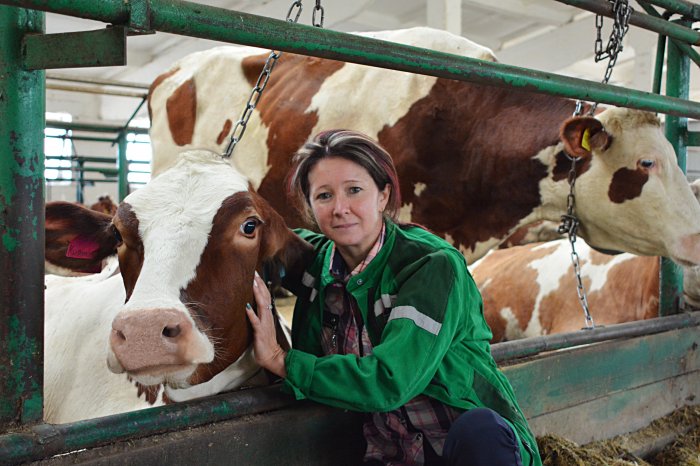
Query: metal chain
622	12
569	225
239	129
569	222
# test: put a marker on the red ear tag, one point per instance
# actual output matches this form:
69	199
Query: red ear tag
81	247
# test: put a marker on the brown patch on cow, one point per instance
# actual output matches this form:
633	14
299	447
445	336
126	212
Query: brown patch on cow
598	258
181	108
473	148
627	184
500	267
282	109
150	392
224	131
105	205
157	83
130	252
563	166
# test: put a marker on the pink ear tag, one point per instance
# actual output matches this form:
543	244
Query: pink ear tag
81	247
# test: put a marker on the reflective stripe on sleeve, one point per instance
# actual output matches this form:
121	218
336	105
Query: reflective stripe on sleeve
421	320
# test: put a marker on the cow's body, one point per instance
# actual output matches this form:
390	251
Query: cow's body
474	162
174	314
530	290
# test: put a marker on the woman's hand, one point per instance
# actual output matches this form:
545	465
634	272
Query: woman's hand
268	353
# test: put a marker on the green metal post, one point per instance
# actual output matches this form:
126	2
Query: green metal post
677	81
659	65
122	166
22	105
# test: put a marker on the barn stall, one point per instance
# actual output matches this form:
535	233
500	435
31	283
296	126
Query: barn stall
617	379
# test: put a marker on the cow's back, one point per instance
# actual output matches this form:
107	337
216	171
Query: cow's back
531	290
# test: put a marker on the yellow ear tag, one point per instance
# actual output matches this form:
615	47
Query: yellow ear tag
584	141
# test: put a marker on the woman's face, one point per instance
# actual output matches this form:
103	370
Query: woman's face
347	204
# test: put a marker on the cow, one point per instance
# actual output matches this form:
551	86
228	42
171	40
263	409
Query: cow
105	204
165	321
475	162
530	290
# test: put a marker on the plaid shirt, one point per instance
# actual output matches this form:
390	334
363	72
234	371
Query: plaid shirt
395	437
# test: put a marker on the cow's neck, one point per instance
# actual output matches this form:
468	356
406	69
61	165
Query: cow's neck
244	371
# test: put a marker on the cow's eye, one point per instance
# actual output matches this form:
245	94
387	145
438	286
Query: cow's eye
117	235
248	227
647	163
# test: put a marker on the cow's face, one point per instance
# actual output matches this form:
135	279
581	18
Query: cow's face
188	245
632	183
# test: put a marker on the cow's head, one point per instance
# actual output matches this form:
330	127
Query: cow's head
629	181
188	245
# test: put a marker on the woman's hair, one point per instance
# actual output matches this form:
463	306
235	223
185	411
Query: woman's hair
349	145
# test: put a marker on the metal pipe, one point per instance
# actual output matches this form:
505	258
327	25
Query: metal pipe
101	82
195	20
677	83
661	26
78	138
46	440
659	64
532	346
22	106
679	6
93	127
687	49
95	90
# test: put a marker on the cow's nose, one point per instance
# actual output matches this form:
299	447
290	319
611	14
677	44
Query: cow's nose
150	338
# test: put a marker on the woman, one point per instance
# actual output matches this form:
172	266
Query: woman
388	321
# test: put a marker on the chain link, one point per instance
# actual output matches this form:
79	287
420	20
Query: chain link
317	9
622	12
239	129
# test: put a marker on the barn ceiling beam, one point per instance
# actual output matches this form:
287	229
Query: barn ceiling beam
445	14
546	13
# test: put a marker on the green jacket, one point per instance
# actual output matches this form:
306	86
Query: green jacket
424	317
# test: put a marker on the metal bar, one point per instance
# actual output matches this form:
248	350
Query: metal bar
677	82
81	138
195	20
659	65
47	440
99	82
687	49
122	167
93	127
661	26
83	158
84	180
95	90
679	6
22	106
693	139
105	47
534	345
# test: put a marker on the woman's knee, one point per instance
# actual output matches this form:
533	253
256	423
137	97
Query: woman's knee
481	437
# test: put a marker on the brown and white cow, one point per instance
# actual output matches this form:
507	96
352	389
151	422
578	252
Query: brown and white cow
475	162
188	244
530	290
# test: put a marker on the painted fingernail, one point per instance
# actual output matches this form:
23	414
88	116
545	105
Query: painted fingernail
255	283
256	274
248	306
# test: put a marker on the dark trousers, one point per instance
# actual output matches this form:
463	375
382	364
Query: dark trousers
480	437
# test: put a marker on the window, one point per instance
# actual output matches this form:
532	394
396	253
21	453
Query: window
138	153
58	149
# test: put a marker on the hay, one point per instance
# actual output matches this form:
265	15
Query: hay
683	425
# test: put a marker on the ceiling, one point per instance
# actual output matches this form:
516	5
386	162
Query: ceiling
539	34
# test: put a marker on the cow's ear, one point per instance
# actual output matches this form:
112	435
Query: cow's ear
582	135
78	238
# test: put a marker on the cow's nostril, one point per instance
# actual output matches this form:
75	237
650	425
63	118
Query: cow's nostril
120	335
171	331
